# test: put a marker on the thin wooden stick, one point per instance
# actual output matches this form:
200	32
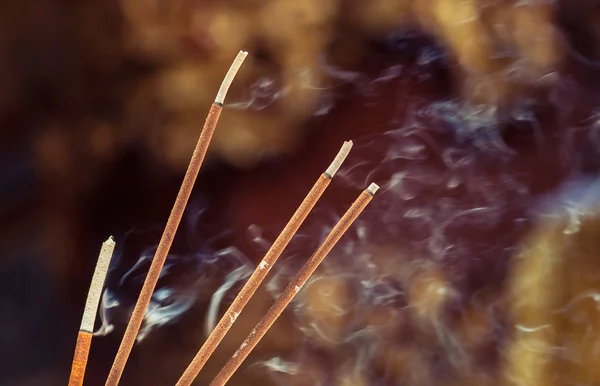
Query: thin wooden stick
84	338
166	240
221	329
295	285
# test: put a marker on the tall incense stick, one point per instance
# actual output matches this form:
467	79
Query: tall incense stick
295	285
166	240
84	337
221	329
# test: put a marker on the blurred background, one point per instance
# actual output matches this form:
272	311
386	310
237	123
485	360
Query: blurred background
476	264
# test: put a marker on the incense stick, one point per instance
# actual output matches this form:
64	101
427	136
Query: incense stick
172	224
288	232
84	337
295	285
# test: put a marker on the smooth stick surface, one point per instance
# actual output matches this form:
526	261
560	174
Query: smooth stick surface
295	285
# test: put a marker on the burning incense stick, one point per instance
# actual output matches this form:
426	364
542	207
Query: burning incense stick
295	285
84	338
172	223
263	269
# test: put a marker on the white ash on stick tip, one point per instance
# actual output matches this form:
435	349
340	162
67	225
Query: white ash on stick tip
372	189
95	291
339	159
235	66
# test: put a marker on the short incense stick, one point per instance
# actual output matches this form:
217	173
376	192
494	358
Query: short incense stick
263	268
84	338
295	285
166	240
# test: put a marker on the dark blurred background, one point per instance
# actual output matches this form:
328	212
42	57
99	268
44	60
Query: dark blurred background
101	104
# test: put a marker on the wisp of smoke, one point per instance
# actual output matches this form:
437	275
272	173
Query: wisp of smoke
184	278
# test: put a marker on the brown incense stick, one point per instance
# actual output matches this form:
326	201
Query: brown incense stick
172	223
221	329
84	338
295	285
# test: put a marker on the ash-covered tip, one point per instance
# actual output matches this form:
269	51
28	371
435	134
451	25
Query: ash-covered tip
372	189
95	291
339	159
235	66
